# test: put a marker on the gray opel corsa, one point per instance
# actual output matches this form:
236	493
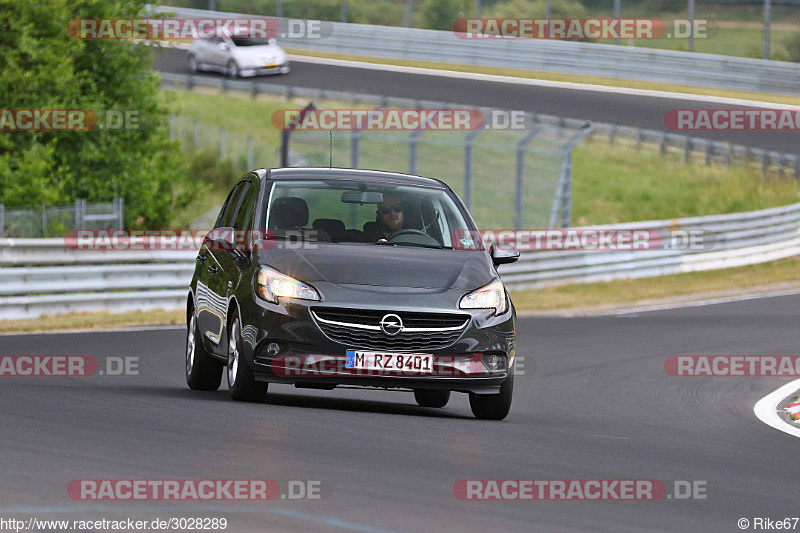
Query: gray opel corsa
322	277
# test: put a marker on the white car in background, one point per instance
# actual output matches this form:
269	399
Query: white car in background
237	56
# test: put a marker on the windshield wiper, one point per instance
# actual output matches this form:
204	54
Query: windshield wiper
435	246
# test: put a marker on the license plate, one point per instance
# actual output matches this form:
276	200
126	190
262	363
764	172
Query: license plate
405	362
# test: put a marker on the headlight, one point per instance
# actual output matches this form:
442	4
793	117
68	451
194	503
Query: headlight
272	285
491	296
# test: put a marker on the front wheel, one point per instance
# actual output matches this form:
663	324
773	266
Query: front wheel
232	69
493	406
202	372
431	398
194	64
241	384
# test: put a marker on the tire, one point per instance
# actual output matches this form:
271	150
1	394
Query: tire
241	385
431	398
232	69
493	406
193	63
202	371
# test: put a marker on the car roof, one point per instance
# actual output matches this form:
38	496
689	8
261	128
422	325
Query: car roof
349	174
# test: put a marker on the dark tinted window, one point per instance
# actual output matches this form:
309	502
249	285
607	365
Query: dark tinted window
226	216
244	218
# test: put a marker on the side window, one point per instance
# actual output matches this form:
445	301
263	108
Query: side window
229	209
244	218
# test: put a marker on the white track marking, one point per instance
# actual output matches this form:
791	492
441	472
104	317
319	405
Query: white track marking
767	408
542	83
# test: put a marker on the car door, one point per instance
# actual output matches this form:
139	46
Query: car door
218	53
211	293
237	260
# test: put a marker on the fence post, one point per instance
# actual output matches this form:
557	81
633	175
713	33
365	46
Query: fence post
79	212
468	142
3	213
563	199
172	126
286	131
355	138
413	139
796	176
119	210
222	144
663	146
687	150
44	220
250	162
520	181
709	152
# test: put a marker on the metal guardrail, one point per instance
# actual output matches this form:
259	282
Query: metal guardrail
690	147
647	64
42	276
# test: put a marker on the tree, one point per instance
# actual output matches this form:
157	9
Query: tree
536	9
42	67
441	14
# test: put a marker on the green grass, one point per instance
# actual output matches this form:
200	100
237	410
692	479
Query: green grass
739	41
623	184
611	183
663	288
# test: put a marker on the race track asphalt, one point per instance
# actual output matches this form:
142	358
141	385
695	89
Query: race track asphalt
594	403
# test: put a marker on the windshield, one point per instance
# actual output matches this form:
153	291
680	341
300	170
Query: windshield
357	212
246	41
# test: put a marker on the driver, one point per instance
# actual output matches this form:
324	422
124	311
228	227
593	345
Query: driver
389	215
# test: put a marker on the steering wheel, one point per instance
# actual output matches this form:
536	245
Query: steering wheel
426	239
406	232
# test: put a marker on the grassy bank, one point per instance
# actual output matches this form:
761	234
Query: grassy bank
610	183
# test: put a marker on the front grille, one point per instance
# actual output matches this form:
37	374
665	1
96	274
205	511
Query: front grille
359	328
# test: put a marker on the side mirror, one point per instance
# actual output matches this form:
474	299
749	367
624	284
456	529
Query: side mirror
503	255
223	47
272	42
221	239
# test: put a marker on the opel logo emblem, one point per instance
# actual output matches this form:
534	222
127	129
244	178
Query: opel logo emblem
391	325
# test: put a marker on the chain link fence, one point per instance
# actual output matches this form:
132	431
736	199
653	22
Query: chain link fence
507	178
56	220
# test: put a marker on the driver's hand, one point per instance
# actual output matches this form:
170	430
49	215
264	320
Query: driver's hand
382	240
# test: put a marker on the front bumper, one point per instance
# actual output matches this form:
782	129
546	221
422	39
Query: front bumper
261	71
308	357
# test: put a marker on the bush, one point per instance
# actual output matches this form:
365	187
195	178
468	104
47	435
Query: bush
205	166
441	14
44	68
792	45
536	9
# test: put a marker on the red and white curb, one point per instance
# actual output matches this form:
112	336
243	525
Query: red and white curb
767	408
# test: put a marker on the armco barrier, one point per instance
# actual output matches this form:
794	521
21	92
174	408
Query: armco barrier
41	276
627	62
